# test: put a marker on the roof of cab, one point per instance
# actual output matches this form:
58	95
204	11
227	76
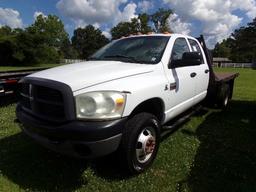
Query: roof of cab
156	34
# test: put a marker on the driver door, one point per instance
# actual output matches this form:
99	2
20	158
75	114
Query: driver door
182	80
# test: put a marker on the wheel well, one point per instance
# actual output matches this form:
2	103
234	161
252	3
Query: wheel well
154	106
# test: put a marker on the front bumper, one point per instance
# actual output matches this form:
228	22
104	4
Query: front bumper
74	138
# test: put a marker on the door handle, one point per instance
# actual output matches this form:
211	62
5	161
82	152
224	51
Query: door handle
192	75
206	70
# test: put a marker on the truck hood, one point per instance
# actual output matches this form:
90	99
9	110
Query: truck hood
90	73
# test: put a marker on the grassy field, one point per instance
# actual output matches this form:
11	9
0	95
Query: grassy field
17	68
214	151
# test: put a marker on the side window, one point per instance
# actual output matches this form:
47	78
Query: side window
195	47
180	46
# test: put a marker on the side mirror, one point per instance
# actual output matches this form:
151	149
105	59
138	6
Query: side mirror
192	58
188	59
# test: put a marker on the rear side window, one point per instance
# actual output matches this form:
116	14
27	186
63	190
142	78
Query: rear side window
196	48
194	45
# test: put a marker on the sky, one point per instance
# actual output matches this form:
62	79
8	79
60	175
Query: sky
216	19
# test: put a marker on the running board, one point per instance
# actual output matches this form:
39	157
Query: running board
173	125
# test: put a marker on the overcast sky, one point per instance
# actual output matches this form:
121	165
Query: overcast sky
216	19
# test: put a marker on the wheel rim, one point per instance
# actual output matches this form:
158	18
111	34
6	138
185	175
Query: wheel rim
226	101
145	146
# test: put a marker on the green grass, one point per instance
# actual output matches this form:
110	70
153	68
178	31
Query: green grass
17	68
214	151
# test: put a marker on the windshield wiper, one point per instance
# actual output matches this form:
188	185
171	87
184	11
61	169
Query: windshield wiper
123	56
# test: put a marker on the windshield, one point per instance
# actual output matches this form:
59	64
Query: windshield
142	49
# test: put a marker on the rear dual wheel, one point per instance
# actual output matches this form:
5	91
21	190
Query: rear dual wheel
223	98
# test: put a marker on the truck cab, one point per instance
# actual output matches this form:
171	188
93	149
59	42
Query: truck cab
119	99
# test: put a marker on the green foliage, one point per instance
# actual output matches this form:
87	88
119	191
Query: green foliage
68	51
50	38
159	19
19	56
45	41
141	24
123	29
8	48
50	29
144	23
87	40
46	54
241	46
136	25
5	30
223	49
244	47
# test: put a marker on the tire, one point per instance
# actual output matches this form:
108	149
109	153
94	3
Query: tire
140	142
223	98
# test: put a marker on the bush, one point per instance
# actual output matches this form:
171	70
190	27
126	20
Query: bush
8	48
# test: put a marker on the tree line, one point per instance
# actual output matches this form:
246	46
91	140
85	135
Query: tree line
46	41
240	46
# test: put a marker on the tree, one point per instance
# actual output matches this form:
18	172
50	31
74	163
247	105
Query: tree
223	49
45	41
144	20
27	48
160	18
5	30
240	46
136	25
121	30
8	47
141	24
124	29
50	39
87	40
68	50
244	47
51	29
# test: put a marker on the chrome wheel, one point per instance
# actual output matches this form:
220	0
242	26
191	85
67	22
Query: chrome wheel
145	144
226	101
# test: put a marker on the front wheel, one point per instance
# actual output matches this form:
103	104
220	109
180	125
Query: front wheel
140	142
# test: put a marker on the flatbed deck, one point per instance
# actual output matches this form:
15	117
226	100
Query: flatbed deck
221	84
225	76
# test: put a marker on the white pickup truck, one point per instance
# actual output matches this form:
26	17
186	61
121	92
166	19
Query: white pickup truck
121	98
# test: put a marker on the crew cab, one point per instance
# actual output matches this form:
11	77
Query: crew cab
121	97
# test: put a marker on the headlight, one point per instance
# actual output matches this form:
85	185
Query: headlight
100	105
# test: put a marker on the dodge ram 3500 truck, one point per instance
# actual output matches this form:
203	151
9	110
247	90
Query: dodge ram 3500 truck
120	98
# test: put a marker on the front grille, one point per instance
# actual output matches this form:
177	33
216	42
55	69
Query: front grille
49	94
43	102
